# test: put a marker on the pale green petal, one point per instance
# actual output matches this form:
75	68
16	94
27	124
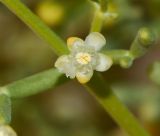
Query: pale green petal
64	65
105	63
6	130
61	62
84	76
73	42
95	40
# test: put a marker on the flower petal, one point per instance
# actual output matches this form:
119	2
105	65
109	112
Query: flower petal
84	76
64	65
105	63
95	40
6	130
73	42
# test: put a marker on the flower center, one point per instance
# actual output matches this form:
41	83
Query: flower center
83	58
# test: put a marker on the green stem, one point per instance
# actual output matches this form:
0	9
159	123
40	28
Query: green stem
105	96
36	25
33	84
122	57
97	22
42	81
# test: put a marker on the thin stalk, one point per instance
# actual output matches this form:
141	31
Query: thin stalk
36	25
106	97
97	22
97	87
122	57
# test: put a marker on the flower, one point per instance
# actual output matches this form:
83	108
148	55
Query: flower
84	57
6	130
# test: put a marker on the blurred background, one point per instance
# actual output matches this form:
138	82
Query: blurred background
69	110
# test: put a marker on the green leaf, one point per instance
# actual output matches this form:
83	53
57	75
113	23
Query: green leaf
34	84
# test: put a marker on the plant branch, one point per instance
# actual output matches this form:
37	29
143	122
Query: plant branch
105	96
97	87
122	57
36	25
97	22
34	84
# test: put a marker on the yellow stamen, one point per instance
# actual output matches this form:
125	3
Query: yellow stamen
83	58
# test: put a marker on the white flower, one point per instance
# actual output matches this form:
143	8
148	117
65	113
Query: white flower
6	130
84	57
